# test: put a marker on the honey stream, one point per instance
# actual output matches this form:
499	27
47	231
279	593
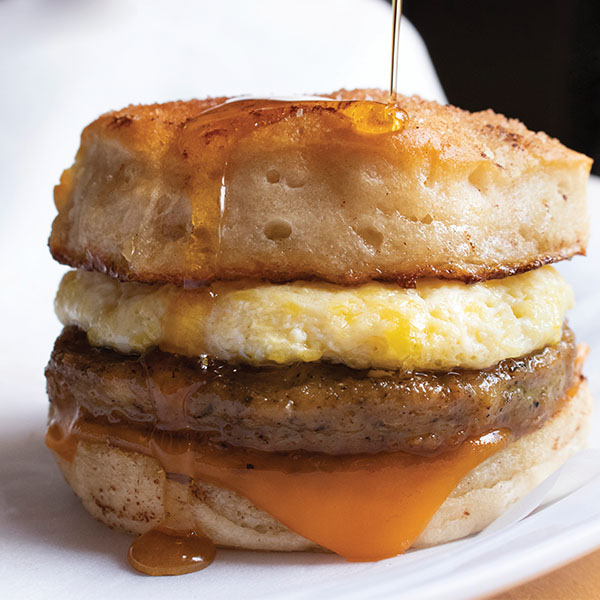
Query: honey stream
397	17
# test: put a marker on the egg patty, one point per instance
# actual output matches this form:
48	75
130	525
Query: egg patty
438	325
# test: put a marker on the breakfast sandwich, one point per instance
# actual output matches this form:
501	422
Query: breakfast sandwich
324	324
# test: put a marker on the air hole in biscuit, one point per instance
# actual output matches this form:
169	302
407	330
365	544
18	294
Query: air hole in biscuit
561	191
277	229
295	180
273	176
479	177
371	237
426	220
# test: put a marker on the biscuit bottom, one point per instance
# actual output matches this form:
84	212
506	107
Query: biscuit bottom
130	491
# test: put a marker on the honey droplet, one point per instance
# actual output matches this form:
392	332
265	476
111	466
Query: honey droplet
236	119
375	118
162	551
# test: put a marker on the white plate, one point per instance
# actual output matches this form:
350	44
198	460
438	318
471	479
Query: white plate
49	546
52	548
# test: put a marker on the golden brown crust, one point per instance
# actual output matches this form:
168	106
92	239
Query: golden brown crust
455	195
120	270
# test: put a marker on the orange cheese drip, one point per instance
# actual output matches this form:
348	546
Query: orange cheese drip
363	507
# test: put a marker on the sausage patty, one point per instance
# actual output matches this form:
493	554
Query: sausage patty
315	407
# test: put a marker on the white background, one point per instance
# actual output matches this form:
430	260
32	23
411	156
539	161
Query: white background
62	63
65	62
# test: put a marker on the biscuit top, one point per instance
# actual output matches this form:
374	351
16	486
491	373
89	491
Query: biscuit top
303	190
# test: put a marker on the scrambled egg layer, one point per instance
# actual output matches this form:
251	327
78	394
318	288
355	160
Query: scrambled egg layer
439	325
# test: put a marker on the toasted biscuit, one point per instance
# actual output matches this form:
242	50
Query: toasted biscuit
129	491
453	195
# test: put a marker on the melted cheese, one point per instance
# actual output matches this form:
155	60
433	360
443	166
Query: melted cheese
363	507
439	325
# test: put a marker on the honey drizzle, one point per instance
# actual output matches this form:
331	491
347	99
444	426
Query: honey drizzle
229	125
164	551
397	17
363	507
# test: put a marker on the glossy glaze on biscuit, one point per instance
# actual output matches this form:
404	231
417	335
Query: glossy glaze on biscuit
453	194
